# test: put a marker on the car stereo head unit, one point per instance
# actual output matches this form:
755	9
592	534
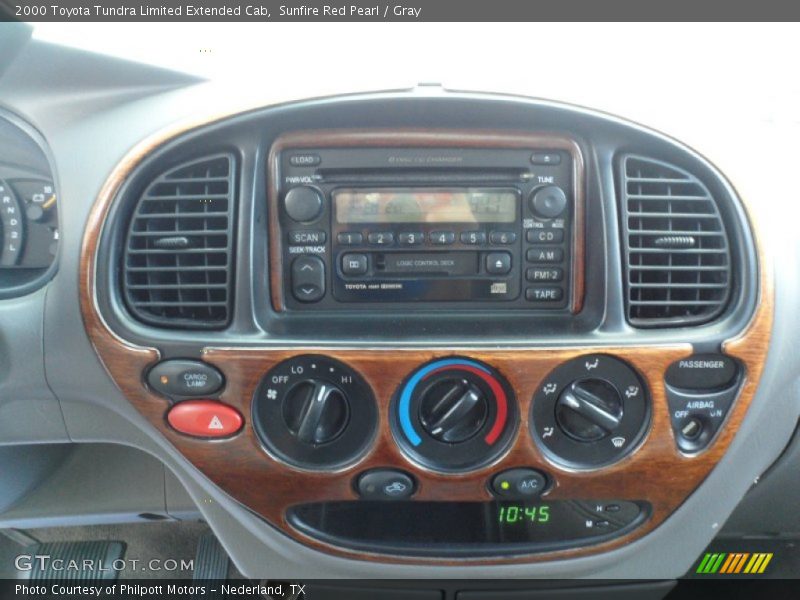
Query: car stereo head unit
440	220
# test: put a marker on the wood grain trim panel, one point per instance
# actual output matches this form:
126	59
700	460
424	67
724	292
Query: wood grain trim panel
656	471
443	138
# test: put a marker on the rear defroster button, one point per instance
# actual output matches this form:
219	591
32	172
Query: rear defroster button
205	419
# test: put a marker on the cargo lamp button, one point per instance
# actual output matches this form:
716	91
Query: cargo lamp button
184	378
205	419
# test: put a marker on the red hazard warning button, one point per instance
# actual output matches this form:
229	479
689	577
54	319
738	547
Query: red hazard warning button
205	418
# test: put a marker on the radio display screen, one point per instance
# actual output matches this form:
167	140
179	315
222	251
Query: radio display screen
425	205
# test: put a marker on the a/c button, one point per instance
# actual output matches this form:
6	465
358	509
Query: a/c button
519	483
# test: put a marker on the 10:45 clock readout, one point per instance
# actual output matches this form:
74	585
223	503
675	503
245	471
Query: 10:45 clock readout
524	514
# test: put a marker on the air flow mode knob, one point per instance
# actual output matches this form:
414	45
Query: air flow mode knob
589	410
316	412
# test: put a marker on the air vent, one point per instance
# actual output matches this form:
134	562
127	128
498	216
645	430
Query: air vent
178	260
676	249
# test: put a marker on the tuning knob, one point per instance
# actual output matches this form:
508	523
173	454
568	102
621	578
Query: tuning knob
453	410
589	409
316	412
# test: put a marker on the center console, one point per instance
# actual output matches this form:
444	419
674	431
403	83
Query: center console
283	311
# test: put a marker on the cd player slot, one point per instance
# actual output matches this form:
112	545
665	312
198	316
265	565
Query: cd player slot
421	176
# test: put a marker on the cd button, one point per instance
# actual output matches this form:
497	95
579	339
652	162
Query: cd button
545	236
381	238
410	238
543	254
354	264
350	238
476	238
498	263
443	238
544	294
502	237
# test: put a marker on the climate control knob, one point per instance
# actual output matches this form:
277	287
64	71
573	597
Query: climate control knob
453	410
454	415
589	410
316	412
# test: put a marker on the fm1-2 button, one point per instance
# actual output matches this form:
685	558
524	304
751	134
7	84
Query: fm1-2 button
308	278
498	263
519	483
385	484
179	377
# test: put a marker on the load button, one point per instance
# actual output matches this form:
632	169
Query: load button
205	419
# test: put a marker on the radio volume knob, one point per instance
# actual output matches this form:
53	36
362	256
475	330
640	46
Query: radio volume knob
548	201
303	204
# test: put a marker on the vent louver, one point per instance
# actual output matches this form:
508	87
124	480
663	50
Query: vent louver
178	258
677	255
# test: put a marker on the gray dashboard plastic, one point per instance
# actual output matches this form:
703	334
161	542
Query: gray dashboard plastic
90	125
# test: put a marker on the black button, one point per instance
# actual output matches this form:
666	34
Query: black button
545	236
184	378
381	238
539	274
519	483
411	238
702	372
307	237
385	484
442	238
544	254
473	237
308	278
502	237
612	508
548	201
546	158
354	264
602	524
350	238
305	160
544	294
303	203
498	263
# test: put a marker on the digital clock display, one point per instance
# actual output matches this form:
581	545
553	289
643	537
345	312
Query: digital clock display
516	514
426	205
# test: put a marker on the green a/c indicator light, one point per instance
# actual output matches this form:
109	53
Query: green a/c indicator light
505	485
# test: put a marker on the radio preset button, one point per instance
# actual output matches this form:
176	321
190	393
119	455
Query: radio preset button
544	254
303	203
443	238
544	294
498	263
381	238
536	275
350	238
502	237
475	238
548	201
410	238
355	264
546	158
308	278
545	236
303	237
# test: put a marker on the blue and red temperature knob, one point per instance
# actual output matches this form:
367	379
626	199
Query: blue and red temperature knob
454	414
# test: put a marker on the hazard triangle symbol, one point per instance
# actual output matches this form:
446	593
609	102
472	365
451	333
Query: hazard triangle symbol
215	423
